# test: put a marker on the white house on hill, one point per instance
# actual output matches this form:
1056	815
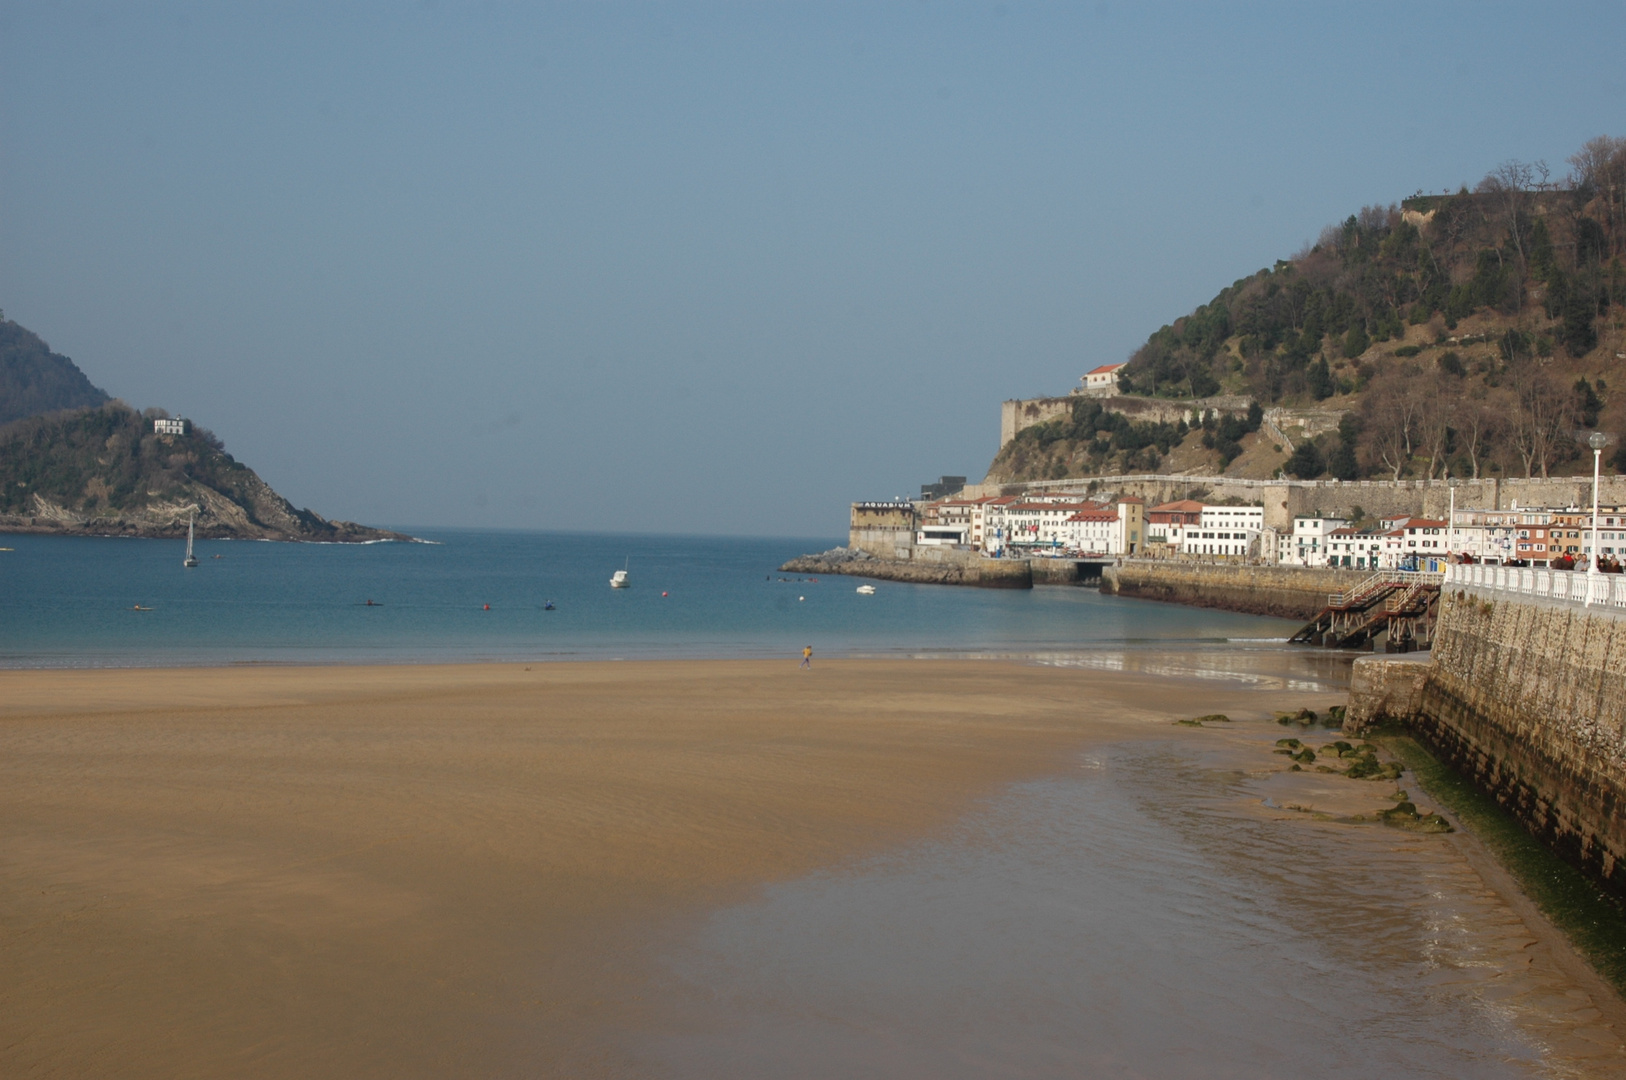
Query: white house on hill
1102	380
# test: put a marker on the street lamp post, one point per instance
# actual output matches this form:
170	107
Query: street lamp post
1597	440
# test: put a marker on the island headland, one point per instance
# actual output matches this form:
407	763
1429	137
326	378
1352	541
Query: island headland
75	462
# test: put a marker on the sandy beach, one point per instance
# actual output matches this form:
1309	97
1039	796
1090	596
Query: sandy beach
460	870
452	870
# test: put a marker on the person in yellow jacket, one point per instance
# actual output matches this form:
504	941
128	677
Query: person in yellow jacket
807	656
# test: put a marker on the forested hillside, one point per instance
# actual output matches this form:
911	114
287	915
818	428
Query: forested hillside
105	470
1472	333
35	380
72	461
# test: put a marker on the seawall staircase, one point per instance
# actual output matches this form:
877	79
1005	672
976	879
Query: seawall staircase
1394	607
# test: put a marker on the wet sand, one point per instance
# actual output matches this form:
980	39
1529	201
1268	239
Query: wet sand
466	870
454	871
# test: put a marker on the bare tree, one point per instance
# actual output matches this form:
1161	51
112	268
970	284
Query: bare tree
1600	166
1391	412
1542	411
1438	399
1479	423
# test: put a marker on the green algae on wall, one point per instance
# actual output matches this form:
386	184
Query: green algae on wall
1527	700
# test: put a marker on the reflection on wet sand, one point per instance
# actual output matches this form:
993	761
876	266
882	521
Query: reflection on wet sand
1147	914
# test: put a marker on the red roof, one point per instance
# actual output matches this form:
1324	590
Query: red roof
1104	368
1058	506
1094	515
1184	506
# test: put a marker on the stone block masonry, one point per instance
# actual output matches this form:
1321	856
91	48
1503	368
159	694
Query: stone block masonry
1385	688
1527	698
929	566
1289	592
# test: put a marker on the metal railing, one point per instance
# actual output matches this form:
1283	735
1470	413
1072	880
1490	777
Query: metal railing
1575	586
1384	579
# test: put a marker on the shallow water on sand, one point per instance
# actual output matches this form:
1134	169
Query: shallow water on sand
1136	916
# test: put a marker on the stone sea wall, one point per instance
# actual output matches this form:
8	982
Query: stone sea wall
1289	592
928	566
1527	698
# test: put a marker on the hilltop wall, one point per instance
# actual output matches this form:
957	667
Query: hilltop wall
1016	414
1021	413
1527	698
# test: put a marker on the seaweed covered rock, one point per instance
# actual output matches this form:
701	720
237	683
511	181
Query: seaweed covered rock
1404	815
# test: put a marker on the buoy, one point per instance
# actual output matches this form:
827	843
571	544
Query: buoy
801	598
663	593
488	607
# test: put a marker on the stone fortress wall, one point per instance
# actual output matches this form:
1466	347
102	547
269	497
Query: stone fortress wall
1527	698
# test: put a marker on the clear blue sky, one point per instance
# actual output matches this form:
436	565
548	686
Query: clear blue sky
702	268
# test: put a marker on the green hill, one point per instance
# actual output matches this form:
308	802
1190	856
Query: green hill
35	380
104	471
1472	333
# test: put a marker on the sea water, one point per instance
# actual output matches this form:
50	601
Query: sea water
484	595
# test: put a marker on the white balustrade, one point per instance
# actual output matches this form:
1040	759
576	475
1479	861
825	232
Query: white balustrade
1574	586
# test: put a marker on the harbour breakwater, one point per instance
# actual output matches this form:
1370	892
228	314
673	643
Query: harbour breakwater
1525	697
1289	592
930	566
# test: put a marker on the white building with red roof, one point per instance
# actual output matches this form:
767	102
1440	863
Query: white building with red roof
1102	380
1106	529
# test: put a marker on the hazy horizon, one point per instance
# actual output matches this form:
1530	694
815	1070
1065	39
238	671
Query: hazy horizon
701	269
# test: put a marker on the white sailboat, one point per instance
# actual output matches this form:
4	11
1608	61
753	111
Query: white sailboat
190	560
618	580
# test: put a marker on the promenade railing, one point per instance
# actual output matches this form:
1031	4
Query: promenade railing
1382	581
1575	586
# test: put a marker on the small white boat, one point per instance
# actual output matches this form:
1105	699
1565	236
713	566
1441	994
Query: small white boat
618	580
866	590
190	560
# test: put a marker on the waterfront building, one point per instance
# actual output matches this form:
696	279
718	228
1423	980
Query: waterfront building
945	523
1484	535
1611	532
1307	546
1568	527
1414	543
1166	523
1107	529
1034	524
1355	549
1230	531
1532	537
989	530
